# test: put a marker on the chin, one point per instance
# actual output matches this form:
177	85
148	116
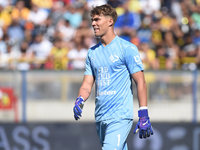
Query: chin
97	35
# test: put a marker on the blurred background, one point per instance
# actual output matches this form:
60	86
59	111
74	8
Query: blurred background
43	46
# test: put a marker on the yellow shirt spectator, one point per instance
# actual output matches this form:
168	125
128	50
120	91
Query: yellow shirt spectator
5	18
43	3
20	14
60	59
166	23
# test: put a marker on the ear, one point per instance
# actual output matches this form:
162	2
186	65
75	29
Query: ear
110	22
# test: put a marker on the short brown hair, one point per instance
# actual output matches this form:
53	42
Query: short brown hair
105	10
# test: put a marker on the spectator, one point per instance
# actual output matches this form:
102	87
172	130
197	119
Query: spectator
39	50
163	60
169	39
23	51
156	36
114	3
189	49
37	15
196	16
166	20
174	27
144	33
134	6
127	22
20	11
78	54
47	29
8	59
15	32
5	18
56	13
86	22
68	32
73	16
174	53
196	38
148	56
149	6
176	10
58	56
28	35
44	4
177	33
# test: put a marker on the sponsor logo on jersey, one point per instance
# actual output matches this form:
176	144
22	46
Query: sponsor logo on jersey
137	58
103	76
106	93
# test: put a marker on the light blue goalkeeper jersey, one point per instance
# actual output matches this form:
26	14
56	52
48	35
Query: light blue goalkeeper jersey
112	67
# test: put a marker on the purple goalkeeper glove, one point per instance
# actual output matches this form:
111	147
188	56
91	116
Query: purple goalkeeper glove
143	125
78	107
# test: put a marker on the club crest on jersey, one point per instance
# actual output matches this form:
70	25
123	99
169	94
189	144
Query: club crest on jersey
114	58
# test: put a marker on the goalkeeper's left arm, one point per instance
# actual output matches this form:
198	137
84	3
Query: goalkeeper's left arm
143	126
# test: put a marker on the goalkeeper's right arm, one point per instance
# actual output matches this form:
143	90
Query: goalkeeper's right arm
86	87
83	95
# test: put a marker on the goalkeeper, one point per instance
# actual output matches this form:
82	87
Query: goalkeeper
112	64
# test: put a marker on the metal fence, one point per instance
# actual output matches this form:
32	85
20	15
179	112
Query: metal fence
50	94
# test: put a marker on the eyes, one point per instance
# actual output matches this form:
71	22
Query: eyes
95	19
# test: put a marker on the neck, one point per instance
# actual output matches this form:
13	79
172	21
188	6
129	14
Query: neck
107	39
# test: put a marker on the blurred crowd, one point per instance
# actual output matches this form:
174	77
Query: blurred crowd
56	34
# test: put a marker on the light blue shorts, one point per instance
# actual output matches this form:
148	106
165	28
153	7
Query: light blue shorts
113	133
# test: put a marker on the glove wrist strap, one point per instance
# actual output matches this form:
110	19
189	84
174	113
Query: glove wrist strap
143	112
143	107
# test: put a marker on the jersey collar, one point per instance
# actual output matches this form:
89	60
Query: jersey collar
110	42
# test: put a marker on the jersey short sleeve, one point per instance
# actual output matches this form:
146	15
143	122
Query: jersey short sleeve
88	67
132	59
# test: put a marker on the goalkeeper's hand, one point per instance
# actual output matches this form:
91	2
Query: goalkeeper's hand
78	107
143	126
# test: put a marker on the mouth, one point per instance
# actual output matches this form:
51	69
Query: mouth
96	30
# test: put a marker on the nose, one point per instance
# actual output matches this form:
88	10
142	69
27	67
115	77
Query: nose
93	23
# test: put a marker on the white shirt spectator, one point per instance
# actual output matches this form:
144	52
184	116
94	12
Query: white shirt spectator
148	6
9	58
5	3
68	32
176	10
38	17
78	58
41	49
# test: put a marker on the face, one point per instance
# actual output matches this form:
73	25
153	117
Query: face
100	24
